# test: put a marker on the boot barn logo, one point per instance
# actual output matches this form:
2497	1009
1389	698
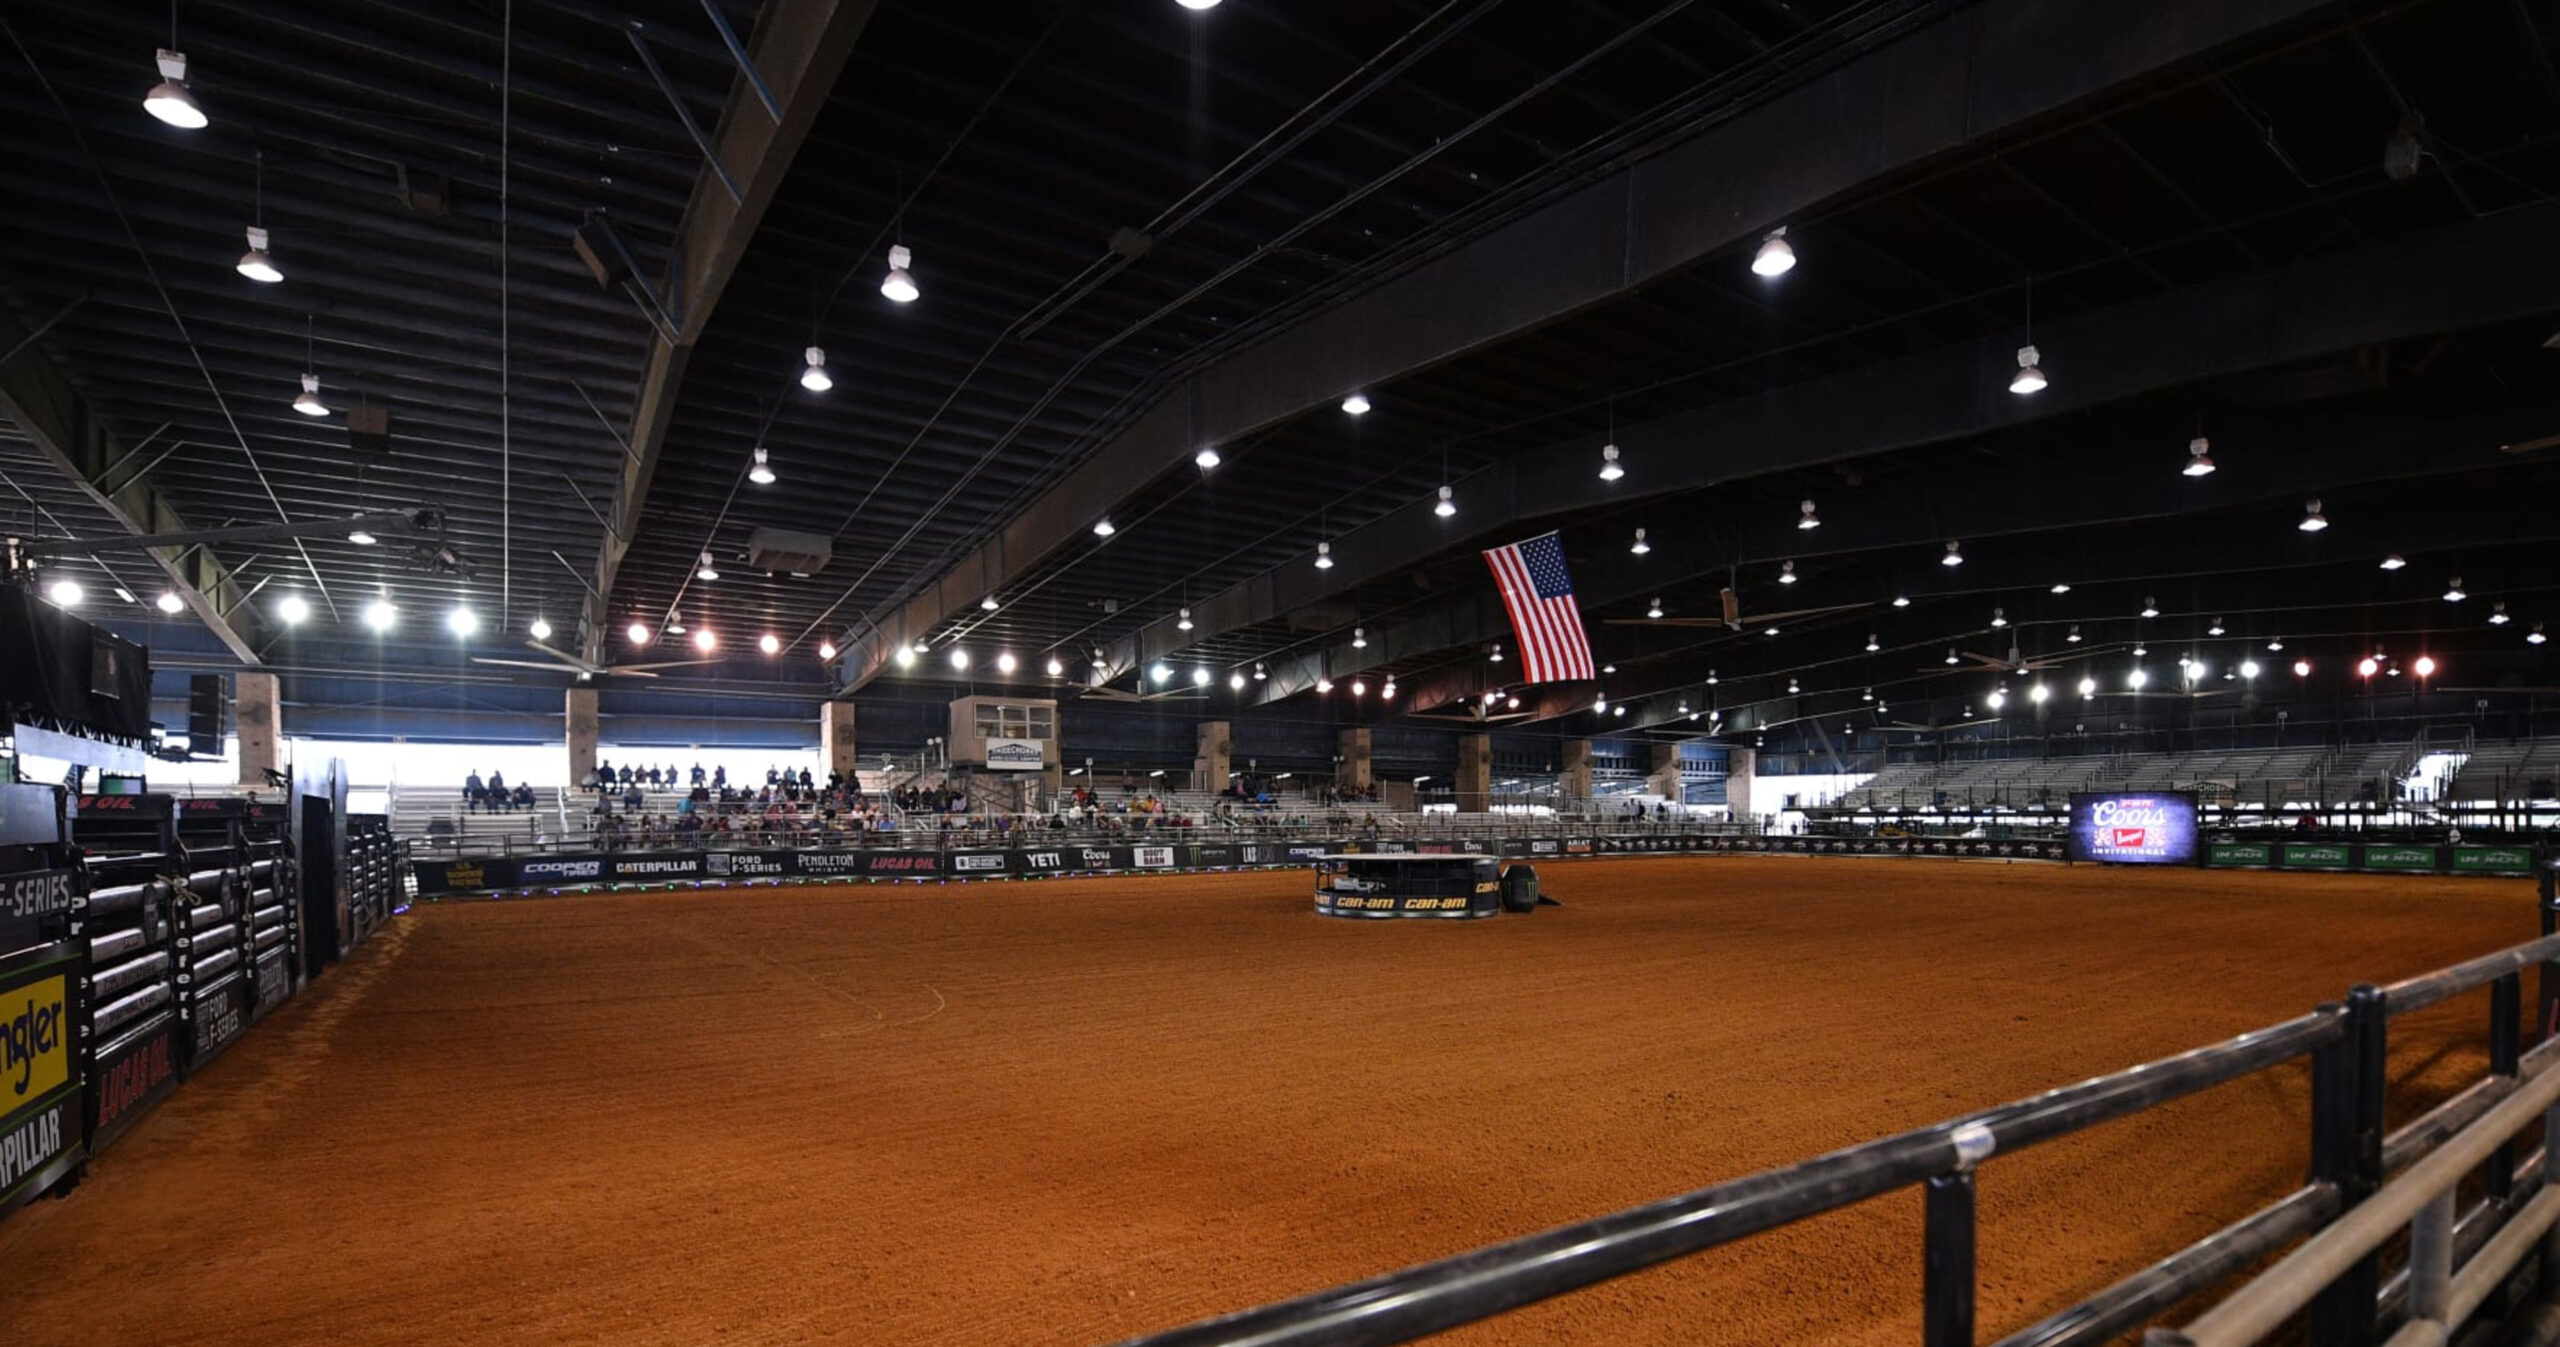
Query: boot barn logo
35	1056
2151	829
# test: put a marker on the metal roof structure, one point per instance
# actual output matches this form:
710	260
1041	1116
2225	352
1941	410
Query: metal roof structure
575	252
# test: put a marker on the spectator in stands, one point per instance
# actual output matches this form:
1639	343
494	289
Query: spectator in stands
472	791
697	774
631	797
498	796
524	797
805	782
629	777
719	778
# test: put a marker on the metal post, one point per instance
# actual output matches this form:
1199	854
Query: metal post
2431	1260
2547	992
1947	1268
2346	1150
2506	1046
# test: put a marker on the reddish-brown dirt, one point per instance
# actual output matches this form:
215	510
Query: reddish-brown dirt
1072	1111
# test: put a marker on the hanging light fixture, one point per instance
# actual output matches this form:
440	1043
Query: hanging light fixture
2037	694
2030	377
2215	629
2276	643
308	401
637	633
2498	613
769	644
1999	617
1609	469
1805	517
1999	697
2312	520
827	650
2150	606
1776	257
1359	638
1655	611
1323	684
1872	645
1207	458
1359	688
703	569
293	610
898	285
1357	404
2073	636
2453	592
2425	667
675	622
988	604
65	593
1259	673
2248	668
1056	666
1006	663
1183	623
959	658
2137	678
2199	462
1786	573
815	377
540	630
2088	688
169	602
1324	556
1954	556
170	100
361	536
760	468
1901	601
705	640
1641	546
2535	636
255	263
1102	528
1235	682
2061	587
381	615
1951	655
1447	506
904	657
1494	658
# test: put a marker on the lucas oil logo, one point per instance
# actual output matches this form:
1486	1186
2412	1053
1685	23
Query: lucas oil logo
34	1056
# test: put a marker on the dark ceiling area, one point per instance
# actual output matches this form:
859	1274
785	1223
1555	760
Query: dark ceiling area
2315	238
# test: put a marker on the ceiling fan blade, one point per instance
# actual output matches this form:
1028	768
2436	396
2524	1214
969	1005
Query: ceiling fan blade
1756	619
1664	621
1732	608
565	657
2528	446
662	664
528	664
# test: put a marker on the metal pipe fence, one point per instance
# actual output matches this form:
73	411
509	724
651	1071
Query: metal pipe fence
2343	1207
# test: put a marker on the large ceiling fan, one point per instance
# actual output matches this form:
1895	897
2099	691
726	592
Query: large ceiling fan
562	661
2013	664
1731	616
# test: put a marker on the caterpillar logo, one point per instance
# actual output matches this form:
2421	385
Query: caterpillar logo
25	1148
34	1056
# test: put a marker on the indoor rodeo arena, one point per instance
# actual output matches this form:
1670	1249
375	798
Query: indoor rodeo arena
1213	673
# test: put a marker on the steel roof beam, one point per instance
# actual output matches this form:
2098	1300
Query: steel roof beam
68	432
1986	69
800	46
2483	272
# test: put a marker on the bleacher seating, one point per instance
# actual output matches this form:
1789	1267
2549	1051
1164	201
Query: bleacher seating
2271	777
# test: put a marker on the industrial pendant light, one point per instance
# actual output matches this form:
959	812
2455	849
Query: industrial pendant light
170	100
2199	462
899	285
760	470
1776	257
309	403
815	377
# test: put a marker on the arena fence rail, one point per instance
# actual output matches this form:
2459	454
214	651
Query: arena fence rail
2342	1206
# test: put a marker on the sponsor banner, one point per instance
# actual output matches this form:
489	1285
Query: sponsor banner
130	1075
1147	858
1050	862
128	806
34	893
536	871
645	866
747	864
1384	905
40	1019
966	863
2400	859
214	1019
2315	856
2492	860
1016	755
2152	828
1215	854
273	982
2239	853
897	864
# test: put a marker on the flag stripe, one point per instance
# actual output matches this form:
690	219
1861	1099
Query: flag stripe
1548	626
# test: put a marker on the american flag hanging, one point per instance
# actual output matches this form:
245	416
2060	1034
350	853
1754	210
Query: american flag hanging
1539	593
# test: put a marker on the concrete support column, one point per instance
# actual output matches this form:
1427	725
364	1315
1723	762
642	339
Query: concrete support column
254	714
1664	780
1737	783
1475	773
1353	771
581	724
835	737
1574	779
1210	764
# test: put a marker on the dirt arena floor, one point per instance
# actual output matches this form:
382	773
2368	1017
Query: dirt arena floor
1068	1112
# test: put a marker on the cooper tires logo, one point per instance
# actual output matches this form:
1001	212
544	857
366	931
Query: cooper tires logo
563	869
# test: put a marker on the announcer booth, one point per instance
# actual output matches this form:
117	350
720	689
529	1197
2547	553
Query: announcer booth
1408	885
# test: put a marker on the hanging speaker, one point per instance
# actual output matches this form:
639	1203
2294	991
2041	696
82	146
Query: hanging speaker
204	715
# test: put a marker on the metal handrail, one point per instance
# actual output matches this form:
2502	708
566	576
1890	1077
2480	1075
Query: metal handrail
2421	1199
1450	1292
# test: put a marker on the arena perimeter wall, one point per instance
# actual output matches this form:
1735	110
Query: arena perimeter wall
488	874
